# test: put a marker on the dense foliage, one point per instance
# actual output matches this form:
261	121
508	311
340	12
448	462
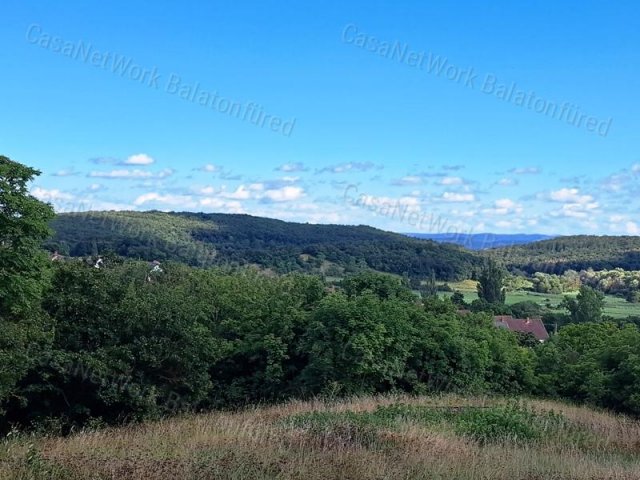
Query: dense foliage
593	362
23	226
572	253
128	348
223	239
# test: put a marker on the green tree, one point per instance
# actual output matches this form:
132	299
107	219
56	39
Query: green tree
491	284
23	228
429	288
632	296
588	306
526	309
458	299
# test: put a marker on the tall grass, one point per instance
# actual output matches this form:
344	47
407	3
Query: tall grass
388	437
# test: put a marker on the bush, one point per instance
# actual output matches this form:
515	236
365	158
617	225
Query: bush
513	423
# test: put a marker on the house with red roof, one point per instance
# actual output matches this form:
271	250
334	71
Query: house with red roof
533	326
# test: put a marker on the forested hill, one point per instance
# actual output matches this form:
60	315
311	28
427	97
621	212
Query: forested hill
482	241
573	252
214	239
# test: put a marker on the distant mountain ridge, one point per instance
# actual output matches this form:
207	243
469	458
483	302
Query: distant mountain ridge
577	252
483	241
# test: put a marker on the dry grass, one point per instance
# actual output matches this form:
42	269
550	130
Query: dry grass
260	444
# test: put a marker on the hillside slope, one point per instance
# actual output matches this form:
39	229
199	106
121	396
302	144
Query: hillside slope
218	239
381	438
573	252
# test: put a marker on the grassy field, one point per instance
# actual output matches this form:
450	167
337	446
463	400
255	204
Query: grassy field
615	307
391	437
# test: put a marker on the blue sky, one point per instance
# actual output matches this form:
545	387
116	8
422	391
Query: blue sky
441	116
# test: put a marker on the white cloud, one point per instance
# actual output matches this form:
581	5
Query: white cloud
451	181
505	203
458	197
240	193
213	203
183	201
570	195
408	180
632	228
292	167
504	206
51	195
125	174
139	159
576	210
209	168
636	168
284	194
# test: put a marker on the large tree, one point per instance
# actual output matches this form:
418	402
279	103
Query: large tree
23	227
491	284
588	306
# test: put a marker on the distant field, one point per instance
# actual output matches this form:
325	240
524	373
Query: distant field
615	307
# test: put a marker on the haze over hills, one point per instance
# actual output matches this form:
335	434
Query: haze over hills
221	239
481	241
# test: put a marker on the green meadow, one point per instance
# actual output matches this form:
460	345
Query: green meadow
615	307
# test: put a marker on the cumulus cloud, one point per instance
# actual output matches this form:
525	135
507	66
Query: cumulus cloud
458	197
209	168
504	206
215	203
139	159
451	181
576	210
51	195
183	201
284	194
570	195
240	193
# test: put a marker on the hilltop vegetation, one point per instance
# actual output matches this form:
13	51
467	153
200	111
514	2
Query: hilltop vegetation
225	239
482	241
572	253
368	438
